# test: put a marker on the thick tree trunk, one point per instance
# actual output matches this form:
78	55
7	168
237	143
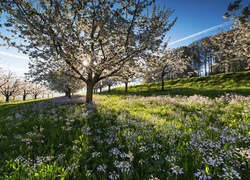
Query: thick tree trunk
7	98
69	93
24	95
35	96
126	86
89	93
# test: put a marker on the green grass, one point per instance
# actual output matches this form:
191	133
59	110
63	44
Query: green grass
211	86
143	136
5	108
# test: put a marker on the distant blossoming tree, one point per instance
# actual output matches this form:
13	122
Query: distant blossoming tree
63	83
167	63
2	71
37	89
94	39
9	85
110	82
25	88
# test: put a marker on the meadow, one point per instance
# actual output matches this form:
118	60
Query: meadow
171	136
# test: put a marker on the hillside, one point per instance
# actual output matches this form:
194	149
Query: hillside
214	85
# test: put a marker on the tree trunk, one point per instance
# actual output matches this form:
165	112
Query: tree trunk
69	93
35	96
7	98
205	64
163	73
162	84
126	86
89	93
109	88
24	97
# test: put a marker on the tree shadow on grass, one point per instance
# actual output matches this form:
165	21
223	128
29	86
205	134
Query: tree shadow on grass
75	99
121	137
6	108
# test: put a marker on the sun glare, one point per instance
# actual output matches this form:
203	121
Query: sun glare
85	63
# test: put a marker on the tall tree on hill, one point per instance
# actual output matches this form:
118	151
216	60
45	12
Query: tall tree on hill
207	55
233	47
93	38
195	61
202	56
236	10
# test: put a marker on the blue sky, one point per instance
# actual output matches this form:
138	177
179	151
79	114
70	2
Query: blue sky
196	19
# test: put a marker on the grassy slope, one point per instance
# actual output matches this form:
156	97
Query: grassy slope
208	86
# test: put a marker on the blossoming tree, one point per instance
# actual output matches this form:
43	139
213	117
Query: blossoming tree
63	83
9	85
94	38
168	62
25	88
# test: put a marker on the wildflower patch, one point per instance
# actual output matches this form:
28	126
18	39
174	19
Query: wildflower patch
161	137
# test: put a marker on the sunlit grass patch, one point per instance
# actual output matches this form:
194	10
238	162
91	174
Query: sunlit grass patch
195	119
210	86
